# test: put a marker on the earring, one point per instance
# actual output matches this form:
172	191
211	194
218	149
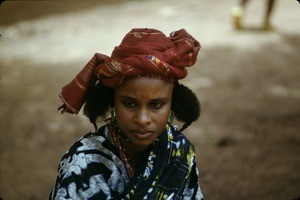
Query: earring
115	125
171	118
112	114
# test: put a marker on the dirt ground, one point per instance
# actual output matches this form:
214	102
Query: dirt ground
247	139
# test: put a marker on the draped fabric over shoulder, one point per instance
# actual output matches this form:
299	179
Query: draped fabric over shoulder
142	52
93	169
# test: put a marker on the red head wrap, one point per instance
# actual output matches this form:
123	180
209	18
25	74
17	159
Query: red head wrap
142	52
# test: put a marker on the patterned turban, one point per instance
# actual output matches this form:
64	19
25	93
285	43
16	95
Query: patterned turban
142	52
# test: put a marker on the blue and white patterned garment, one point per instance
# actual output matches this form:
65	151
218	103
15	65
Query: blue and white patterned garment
93	169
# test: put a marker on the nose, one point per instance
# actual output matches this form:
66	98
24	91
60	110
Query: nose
142	117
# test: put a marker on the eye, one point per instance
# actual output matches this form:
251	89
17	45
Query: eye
128	103
157	105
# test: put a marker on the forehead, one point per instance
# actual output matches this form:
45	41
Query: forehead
145	87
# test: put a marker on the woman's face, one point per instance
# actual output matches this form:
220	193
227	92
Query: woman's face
142	107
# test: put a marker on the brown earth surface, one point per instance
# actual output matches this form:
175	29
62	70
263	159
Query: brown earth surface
247	139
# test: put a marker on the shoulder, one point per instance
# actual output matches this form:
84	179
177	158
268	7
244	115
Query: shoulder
91	152
178	138
91	168
181	148
90	141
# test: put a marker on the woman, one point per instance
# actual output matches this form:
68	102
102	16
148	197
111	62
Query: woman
137	153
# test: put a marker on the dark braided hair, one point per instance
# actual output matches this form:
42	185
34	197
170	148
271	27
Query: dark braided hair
100	99
185	105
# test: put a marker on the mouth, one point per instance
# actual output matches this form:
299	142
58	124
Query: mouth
141	134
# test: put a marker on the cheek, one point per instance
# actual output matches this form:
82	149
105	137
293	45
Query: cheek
121	114
123	117
162	117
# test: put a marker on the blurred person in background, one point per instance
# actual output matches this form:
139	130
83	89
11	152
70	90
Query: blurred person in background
238	12
137	153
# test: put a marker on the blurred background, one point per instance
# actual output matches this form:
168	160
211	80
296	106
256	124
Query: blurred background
248	81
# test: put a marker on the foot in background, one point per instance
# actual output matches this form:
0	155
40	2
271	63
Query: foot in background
237	13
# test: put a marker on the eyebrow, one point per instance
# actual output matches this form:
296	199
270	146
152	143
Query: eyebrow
155	99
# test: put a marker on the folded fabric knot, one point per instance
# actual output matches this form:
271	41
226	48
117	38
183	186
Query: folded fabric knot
142	52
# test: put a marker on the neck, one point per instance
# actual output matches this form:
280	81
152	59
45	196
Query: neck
136	153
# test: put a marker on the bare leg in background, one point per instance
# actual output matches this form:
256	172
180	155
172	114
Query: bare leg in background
237	13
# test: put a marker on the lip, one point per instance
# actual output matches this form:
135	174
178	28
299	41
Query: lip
141	134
